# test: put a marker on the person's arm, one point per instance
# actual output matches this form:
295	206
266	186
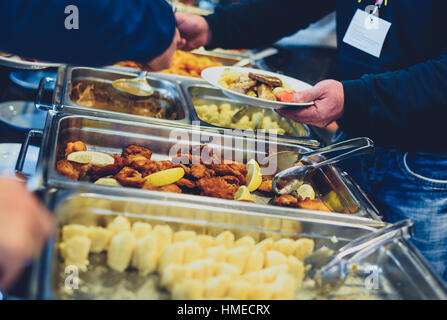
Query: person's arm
258	23
399	109
109	30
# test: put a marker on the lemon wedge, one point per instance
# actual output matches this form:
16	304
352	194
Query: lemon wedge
165	177
333	202
254	176
306	192
108	182
242	194
98	159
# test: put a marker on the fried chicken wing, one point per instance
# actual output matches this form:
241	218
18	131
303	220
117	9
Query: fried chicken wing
74	147
130	178
266	186
72	170
200	171
286	200
137	150
312	205
232	169
217	187
109	170
186	183
169	188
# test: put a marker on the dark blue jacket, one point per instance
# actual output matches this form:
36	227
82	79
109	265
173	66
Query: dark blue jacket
399	99
109	30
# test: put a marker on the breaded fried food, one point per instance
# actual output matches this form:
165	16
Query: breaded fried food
109	170
286	200
233	169
266	186
137	150
312	205
217	187
72	170
200	171
169	188
74	147
186	183
130	178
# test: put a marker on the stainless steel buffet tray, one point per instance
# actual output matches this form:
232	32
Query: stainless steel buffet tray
172	99
111	136
200	94
400	272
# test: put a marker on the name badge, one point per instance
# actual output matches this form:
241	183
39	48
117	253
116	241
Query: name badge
367	32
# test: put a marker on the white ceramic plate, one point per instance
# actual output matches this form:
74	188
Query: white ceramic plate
214	74
9	153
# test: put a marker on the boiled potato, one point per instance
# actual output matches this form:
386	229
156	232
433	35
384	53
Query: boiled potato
145	257
205	241
141	230
226	238
239	290
164	237
100	239
227	269
182	236
265	245
273	258
270	274
118	225
255	261
284	287
260	291
254	278
75	252
246	241
193	251
173	254
304	247
285	246
188	290
238	257
296	269
217	253
74	230
120	252
174	274
217	287
202	269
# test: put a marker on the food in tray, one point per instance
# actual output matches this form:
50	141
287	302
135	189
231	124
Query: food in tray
134	168
101	95
192	265
183	63
222	116
257	85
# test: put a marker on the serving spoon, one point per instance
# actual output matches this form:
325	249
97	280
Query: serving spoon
134	88
286	161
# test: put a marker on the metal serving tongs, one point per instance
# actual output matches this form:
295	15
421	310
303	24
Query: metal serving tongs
330	269
286	161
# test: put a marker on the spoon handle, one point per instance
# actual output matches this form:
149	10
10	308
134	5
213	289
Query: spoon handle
344	145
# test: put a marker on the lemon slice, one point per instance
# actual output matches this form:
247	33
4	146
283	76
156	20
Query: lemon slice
306	192
254	176
108	182
98	159
242	194
165	177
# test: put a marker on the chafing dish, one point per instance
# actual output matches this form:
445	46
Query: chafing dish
171	96
111	136
198	94
395	271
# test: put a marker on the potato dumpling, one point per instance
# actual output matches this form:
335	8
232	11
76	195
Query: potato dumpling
270	274
118	225
174	274
173	254
261	291
284	287
193	251
238	257
205	241
239	290
188	290
100	239
145	257
216	287
254	278
285	246
226	238
217	253
164	237
246	241
227	269
121	249
296	269
182	236
273	258
74	230
202	269
304	247
265	245
255	261
75	252
141	229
